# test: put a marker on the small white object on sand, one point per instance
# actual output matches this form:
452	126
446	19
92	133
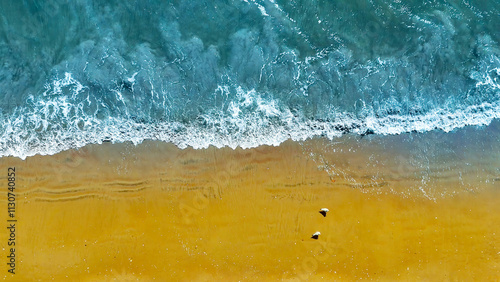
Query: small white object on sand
323	211
316	235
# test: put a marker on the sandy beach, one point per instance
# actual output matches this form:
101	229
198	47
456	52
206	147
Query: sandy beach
156	212
246	140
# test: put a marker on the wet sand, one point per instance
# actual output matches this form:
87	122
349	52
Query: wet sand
155	212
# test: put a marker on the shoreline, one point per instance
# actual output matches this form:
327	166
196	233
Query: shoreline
154	211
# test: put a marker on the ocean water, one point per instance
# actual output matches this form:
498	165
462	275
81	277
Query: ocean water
241	73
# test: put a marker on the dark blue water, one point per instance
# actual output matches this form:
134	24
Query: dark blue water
241	73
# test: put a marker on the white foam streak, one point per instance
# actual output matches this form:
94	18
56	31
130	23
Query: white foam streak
229	131
57	86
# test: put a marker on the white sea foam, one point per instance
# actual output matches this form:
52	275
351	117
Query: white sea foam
57	85
250	122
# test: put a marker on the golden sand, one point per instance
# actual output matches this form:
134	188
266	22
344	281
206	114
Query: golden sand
155	212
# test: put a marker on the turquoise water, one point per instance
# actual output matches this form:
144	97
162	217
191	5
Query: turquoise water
241	73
